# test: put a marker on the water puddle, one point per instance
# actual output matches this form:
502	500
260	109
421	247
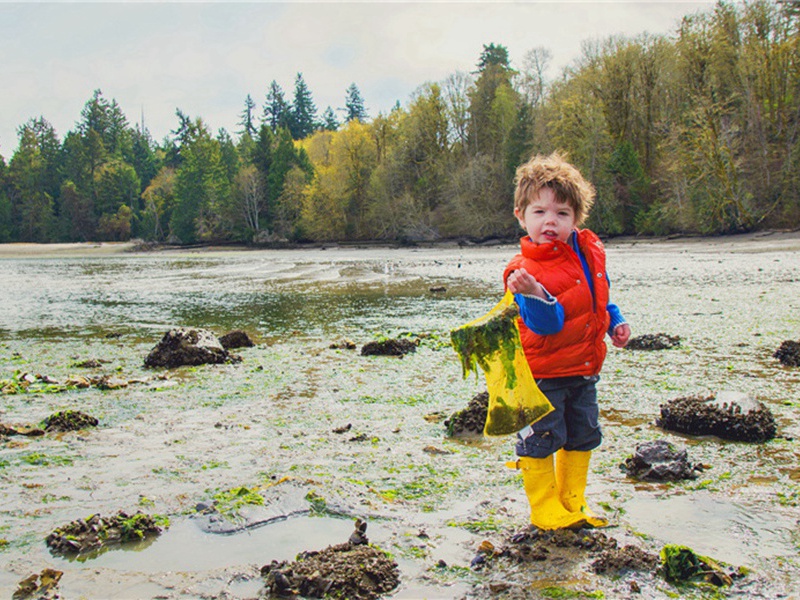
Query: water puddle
720	528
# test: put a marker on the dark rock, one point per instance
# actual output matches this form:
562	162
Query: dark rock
69	420
788	353
728	415
660	461
471	420
650	341
183	346
393	347
355	571
236	339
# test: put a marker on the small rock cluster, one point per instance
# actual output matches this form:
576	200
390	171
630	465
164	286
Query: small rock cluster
651	341
727	415
391	347
788	353
353	570
185	346
660	461
94	532
69	420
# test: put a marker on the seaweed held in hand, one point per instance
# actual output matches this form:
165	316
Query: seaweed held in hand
492	343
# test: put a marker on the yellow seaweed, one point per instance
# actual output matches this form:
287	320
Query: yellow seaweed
492	343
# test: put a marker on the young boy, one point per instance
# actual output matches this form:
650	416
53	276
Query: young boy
560	283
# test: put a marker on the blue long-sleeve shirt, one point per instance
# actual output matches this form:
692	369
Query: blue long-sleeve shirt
546	316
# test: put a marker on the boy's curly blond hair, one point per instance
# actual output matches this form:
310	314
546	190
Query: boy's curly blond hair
555	172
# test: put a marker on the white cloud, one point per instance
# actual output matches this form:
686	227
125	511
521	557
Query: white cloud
205	58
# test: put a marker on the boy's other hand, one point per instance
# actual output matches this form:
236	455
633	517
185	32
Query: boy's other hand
622	333
522	282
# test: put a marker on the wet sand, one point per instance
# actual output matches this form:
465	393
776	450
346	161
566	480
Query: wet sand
164	445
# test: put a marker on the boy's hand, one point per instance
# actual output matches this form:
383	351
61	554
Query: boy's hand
522	282
622	334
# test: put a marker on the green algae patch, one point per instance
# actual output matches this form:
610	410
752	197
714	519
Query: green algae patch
492	343
96	533
681	564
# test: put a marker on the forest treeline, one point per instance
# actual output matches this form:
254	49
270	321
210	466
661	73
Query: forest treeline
696	132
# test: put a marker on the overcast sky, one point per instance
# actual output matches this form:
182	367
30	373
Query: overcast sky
204	58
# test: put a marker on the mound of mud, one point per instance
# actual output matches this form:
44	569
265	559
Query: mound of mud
728	415
236	339
92	533
470	421
627	558
653	341
69	420
183	346
660	461
392	347
788	353
353	570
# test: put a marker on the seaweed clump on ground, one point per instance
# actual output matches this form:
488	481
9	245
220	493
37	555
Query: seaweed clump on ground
653	341
94	532
680	564
354	570
729	416
39	586
69	420
391	347
469	421
788	353
660	461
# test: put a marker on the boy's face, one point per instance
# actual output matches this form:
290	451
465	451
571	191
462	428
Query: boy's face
545	219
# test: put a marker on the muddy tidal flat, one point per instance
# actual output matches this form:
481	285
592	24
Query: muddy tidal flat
325	435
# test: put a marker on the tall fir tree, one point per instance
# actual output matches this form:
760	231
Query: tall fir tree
303	112
354	105
329	121
276	109
247	122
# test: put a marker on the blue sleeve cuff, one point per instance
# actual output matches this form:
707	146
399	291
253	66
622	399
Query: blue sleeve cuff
542	316
616	317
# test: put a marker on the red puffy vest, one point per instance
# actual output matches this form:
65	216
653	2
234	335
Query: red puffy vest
579	348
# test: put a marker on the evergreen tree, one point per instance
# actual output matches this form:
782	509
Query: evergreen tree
247	123
303	112
276	110
32	205
493	54
329	122
6	224
354	105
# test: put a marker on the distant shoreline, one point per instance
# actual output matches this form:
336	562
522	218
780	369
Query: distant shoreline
788	239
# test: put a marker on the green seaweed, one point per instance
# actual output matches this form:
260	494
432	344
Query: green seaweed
476	342
504	418
681	564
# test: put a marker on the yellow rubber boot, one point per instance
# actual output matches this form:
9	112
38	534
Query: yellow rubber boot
572	468
547	512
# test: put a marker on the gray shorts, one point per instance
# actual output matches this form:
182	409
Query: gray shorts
573	425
